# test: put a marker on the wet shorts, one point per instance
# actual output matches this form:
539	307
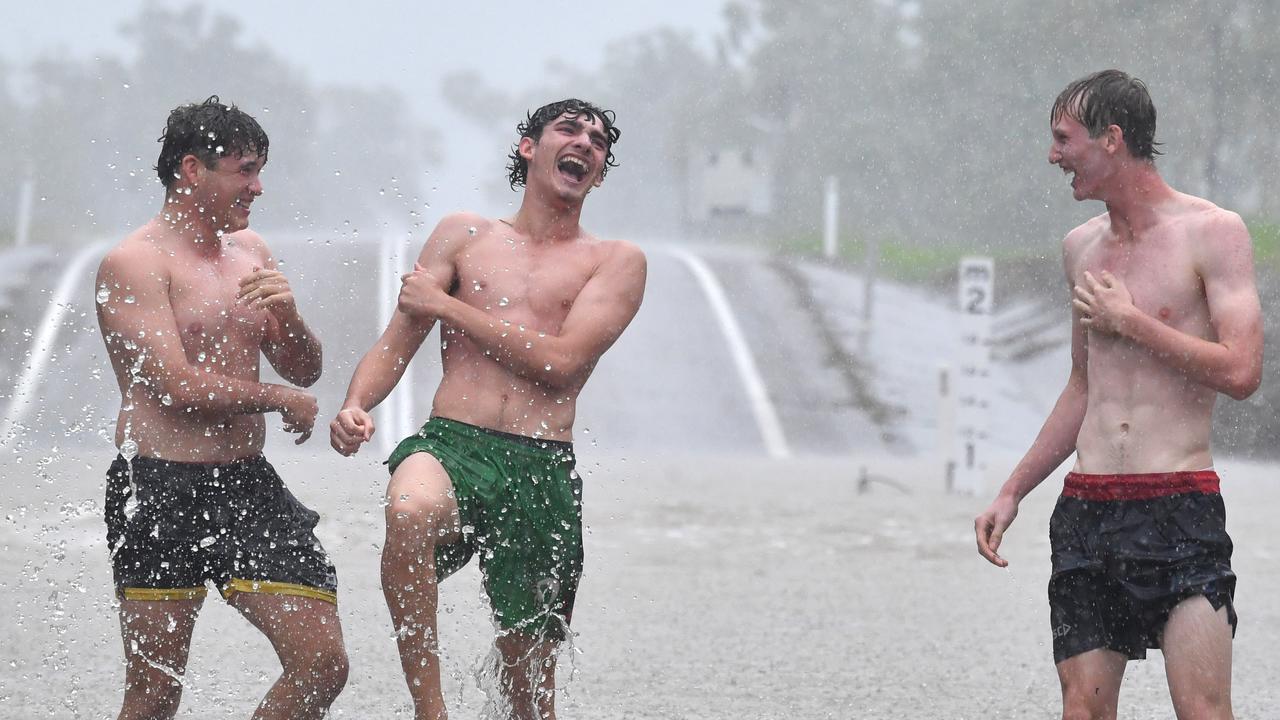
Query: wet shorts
234	524
1126	550
520	507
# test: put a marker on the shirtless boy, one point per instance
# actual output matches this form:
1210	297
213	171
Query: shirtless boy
1165	316
186	305
527	306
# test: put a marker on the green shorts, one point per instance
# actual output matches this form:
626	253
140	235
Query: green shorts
520	507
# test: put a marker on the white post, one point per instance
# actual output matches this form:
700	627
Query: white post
971	382
947	426
26	194
830	212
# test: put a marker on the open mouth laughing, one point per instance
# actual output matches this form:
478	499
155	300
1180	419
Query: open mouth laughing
574	167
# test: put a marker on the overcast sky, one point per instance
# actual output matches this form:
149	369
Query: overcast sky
408	45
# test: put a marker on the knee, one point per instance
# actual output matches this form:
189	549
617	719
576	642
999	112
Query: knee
424	518
1086	708
322	673
1204	706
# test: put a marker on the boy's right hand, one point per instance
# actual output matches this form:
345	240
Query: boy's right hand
989	528
349	430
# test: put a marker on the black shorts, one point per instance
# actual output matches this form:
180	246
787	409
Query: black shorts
1126	550
235	524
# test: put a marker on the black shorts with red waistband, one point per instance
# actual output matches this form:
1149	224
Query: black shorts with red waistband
1126	550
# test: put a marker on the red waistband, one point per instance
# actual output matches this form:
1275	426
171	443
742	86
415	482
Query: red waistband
1139	486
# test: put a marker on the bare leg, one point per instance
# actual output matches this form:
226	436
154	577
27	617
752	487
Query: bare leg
421	513
1197	660
157	641
527	676
1091	684
307	638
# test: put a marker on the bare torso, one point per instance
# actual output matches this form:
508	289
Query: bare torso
525	283
218	335
1144	415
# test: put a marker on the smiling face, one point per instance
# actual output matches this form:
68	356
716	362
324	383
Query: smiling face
568	159
1085	159
224	191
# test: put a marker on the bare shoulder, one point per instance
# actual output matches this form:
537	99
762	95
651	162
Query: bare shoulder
252	244
620	259
457	229
463	224
1086	232
1076	245
623	252
1218	225
135	258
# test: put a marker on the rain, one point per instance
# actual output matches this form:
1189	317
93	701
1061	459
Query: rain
854	324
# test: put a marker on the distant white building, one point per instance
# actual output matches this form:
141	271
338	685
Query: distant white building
729	182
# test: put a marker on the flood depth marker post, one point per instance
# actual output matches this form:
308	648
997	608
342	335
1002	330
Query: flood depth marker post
971	383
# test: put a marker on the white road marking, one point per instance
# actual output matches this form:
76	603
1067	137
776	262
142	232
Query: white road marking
766	415
46	337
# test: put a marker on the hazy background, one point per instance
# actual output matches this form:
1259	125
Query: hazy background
732	577
385	115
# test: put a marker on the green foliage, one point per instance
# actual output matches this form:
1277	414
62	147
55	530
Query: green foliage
1266	241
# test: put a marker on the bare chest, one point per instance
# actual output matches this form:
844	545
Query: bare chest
1159	272
536	286
211	321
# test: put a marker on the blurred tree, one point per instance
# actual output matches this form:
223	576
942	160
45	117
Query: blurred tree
670	97
90	129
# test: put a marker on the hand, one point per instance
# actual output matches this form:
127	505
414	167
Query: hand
989	528
299	414
268	290
349	430
421	295
1104	304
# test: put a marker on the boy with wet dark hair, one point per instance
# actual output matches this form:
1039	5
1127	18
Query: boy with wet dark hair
535	121
1165	316
208	130
188	304
527	305
1107	98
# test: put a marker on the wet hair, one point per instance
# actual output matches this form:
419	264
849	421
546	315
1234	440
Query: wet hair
1107	98
209	130
536	121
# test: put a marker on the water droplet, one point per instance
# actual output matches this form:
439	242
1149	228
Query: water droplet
471	231
129	299
548	367
166	400
504	302
103	294
207	540
128	449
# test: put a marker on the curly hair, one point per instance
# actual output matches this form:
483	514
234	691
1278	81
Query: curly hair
1107	98
208	130
536	121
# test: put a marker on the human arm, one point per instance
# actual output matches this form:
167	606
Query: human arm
288	344
1232	362
141	334
375	376
1055	442
384	364
602	310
